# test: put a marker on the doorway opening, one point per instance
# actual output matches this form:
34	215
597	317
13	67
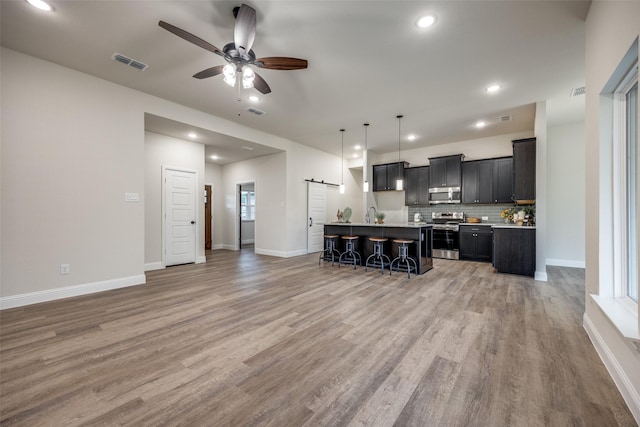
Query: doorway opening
246	226
208	235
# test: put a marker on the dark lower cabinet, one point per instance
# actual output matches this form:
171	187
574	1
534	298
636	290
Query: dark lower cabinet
476	242
514	250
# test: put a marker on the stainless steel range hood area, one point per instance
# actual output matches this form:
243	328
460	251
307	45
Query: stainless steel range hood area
445	179
444	195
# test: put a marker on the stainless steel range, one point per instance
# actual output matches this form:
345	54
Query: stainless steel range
446	231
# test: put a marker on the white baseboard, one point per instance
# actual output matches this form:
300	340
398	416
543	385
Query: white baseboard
280	254
150	266
630	395
540	276
566	263
299	252
247	241
227	247
218	246
70	291
201	259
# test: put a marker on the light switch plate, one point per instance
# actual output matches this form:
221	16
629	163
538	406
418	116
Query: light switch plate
485	218
131	197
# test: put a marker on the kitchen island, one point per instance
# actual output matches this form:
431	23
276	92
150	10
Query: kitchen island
421	233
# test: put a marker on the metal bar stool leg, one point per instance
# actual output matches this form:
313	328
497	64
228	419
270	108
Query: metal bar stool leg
329	249
403	256
378	254
350	255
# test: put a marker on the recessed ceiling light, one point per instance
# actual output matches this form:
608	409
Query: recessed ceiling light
40	4
411	137
355	155
253	98
493	88
357	147
192	135
426	21
214	157
481	124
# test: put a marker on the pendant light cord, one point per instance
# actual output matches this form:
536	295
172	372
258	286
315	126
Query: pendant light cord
342	169
366	126
399	117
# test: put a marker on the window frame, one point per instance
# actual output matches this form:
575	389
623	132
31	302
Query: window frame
621	195
611	296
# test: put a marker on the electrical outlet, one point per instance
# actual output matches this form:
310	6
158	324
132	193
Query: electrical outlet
65	269
131	197
485	218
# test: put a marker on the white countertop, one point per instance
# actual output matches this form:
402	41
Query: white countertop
524	227
501	225
389	224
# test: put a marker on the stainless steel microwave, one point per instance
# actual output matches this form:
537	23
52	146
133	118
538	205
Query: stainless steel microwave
444	195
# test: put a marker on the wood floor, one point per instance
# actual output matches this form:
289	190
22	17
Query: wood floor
248	340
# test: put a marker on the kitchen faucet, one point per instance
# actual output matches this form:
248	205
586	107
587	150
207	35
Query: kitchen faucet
367	217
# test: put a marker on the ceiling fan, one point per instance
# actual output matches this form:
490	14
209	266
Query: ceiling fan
238	54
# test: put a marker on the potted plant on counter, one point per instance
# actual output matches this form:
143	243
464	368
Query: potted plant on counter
380	217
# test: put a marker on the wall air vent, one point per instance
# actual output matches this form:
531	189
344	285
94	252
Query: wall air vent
578	91
255	111
129	61
506	118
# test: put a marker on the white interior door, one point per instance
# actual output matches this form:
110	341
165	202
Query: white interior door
316	216
179	217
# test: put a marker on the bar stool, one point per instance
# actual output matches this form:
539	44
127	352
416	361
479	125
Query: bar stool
329	248
403	256
350	254
378	255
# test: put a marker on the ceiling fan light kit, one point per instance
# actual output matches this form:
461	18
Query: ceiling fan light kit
238	54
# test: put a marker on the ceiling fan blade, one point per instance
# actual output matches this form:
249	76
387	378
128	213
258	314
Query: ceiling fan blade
261	85
209	72
281	63
245	30
190	37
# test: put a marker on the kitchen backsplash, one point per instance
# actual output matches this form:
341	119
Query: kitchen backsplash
478	211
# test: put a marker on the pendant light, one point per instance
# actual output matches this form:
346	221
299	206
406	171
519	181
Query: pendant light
365	185
342	168
399	181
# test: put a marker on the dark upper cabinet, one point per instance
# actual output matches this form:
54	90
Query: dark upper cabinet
477	182
416	186
445	171
379	177
524	170
385	176
476	242
503	180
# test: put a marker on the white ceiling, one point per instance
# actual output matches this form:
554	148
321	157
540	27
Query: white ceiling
368	62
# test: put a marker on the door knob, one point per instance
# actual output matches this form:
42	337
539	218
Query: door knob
193	222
